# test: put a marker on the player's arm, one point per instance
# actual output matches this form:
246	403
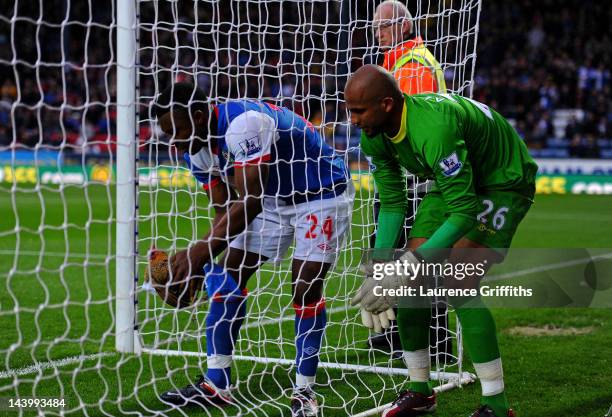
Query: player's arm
249	140
391	187
249	181
447	157
221	197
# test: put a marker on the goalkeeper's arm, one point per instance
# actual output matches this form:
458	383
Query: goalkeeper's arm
391	187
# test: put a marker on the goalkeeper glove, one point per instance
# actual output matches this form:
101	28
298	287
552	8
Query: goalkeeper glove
380	304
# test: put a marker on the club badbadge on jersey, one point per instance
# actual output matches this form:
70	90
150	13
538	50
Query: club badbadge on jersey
451	165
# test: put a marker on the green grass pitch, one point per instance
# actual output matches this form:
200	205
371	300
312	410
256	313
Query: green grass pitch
61	282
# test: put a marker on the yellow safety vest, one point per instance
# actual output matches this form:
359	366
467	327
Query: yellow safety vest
421	55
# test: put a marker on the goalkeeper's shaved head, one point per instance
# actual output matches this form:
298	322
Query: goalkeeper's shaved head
373	98
374	83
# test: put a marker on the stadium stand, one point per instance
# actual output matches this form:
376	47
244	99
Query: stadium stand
538	63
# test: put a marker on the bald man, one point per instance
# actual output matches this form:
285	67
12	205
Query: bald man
406	57
485	183
416	71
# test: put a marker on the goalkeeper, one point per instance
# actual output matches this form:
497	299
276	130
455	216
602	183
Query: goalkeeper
271	179
485	183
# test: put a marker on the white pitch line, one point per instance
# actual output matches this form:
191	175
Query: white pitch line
548	267
37	367
74	359
561	216
489	278
55	254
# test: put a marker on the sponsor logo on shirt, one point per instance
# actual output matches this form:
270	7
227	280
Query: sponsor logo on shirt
250	146
451	165
325	247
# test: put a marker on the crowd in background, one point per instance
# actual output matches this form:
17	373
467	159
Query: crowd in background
535	60
538	57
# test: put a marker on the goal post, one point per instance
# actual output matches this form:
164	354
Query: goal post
126	182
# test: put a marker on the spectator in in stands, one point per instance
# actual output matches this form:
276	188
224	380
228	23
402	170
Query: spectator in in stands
417	71
5	136
543	130
584	143
571	128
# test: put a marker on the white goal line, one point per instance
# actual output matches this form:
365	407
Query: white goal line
41	366
548	267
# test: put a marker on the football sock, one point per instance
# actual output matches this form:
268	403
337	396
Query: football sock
226	314
480	339
310	323
498	403
419	366
413	326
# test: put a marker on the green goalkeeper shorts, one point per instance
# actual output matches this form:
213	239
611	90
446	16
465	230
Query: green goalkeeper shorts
499	216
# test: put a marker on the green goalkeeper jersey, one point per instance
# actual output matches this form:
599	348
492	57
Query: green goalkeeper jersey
464	145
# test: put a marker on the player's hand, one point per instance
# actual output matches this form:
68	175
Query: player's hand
380	303
378	322
189	263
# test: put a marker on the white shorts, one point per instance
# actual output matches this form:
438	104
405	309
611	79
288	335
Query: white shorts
319	228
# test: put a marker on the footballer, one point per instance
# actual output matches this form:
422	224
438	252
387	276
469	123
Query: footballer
272	180
485	184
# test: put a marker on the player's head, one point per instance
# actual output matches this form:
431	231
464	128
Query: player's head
392	23
371	96
182	113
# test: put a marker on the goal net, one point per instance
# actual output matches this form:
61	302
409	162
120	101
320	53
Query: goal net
80	323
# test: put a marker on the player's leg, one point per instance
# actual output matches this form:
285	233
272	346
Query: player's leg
226	282
414	319
226	286
486	244
310	317
478	326
320	230
268	236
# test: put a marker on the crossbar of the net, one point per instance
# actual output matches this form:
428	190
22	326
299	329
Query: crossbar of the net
382	370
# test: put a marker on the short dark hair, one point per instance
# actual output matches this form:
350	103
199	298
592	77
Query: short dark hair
182	96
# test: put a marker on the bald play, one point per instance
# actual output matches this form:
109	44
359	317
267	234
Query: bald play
374	100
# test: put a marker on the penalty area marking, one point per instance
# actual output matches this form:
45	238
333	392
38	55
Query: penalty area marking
41	366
